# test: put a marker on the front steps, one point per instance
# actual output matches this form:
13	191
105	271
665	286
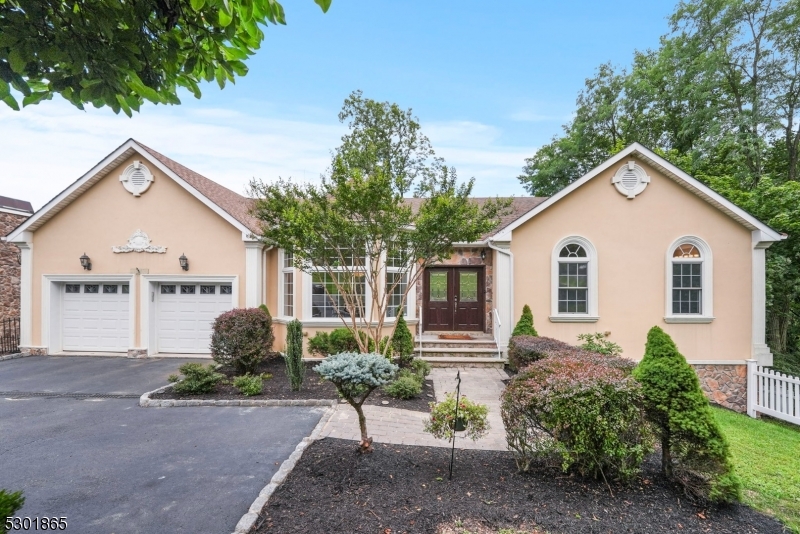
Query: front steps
481	351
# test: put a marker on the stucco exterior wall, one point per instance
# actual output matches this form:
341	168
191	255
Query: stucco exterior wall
9	267
106	215
631	238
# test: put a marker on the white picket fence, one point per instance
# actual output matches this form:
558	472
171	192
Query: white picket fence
771	393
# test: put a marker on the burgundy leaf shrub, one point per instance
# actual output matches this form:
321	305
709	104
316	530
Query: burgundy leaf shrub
582	408
242	338
524	350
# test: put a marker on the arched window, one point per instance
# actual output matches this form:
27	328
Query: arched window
574	281
689	283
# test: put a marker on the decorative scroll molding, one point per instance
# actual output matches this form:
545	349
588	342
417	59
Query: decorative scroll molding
139	242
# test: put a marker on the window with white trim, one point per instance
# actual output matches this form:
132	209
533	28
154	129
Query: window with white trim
328	289
396	282
287	274
689	284
574	292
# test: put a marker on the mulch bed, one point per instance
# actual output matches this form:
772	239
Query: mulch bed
405	489
313	388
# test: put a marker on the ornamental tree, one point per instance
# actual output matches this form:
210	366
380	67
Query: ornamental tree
694	451
117	54
355	376
357	229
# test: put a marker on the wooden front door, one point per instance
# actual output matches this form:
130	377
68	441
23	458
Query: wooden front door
454	299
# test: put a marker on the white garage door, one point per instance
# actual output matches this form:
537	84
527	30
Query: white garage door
95	317
185	314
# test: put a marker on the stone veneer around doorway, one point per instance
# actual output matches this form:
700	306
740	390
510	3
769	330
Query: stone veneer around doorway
466	257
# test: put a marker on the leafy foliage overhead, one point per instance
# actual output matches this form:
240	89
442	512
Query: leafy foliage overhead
119	53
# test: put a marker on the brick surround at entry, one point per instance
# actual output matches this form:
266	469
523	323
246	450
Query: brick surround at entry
9	267
725	385
466	257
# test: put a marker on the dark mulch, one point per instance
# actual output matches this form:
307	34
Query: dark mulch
313	388
401	488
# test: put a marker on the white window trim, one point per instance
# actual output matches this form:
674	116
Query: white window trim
592	315
281	289
707	261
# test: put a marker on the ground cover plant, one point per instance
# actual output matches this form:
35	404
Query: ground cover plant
355	376
405	489
694	451
766	456
242	338
249	385
410	380
276	385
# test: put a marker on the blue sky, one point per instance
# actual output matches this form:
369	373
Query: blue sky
489	81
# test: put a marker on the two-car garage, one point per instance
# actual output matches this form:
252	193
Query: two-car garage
100	315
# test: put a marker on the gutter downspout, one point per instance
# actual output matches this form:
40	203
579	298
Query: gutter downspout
510	255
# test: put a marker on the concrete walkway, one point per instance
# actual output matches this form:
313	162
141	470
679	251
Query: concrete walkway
405	427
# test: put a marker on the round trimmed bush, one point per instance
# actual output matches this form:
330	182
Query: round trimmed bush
584	409
407	386
242	338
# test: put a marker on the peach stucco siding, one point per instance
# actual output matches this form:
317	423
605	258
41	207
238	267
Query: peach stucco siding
106	215
631	238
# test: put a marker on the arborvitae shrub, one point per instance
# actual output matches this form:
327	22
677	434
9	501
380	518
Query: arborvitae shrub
402	342
583	409
694	450
264	308
525	324
242	338
198	379
295	368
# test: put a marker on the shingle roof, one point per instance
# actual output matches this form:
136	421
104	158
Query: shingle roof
233	203
519	207
16	204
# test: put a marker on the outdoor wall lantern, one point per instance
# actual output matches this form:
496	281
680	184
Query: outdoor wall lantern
483	254
184	261
85	263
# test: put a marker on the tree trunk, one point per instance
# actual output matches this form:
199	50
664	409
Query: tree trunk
778	327
666	457
366	442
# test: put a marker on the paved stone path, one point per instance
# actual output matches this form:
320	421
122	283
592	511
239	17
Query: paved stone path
404	427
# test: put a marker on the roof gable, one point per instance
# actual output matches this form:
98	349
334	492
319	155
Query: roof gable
229	205
669	170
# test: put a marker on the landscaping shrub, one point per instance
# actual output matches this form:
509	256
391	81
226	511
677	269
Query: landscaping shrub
295	368
598	342
242	338
402	342
421	368
441	422
523	351
694	451
264	308
355	376
198	379
338	341
525	326
248	384
406	386
9	504
585	408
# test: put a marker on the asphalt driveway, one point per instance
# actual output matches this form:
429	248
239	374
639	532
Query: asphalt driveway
110	466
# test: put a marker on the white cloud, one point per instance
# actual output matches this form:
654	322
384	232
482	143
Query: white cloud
45	148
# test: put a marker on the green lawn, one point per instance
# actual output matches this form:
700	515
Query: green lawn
766	454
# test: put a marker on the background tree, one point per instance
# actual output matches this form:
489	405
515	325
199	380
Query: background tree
720	98
358	221
117	54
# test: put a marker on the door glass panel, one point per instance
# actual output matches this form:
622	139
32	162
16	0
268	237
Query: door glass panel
468	286
438	286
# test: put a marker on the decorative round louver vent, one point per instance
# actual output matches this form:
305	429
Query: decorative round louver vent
630	180
136	178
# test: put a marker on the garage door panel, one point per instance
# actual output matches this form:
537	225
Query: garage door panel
185	317
95	321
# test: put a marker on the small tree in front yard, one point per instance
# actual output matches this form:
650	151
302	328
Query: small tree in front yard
356	230
525	326
694	451
402	342
355	377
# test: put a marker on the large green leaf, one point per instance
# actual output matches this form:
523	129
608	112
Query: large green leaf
324	4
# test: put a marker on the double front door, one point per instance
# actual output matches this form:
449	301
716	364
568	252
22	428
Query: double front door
454	299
